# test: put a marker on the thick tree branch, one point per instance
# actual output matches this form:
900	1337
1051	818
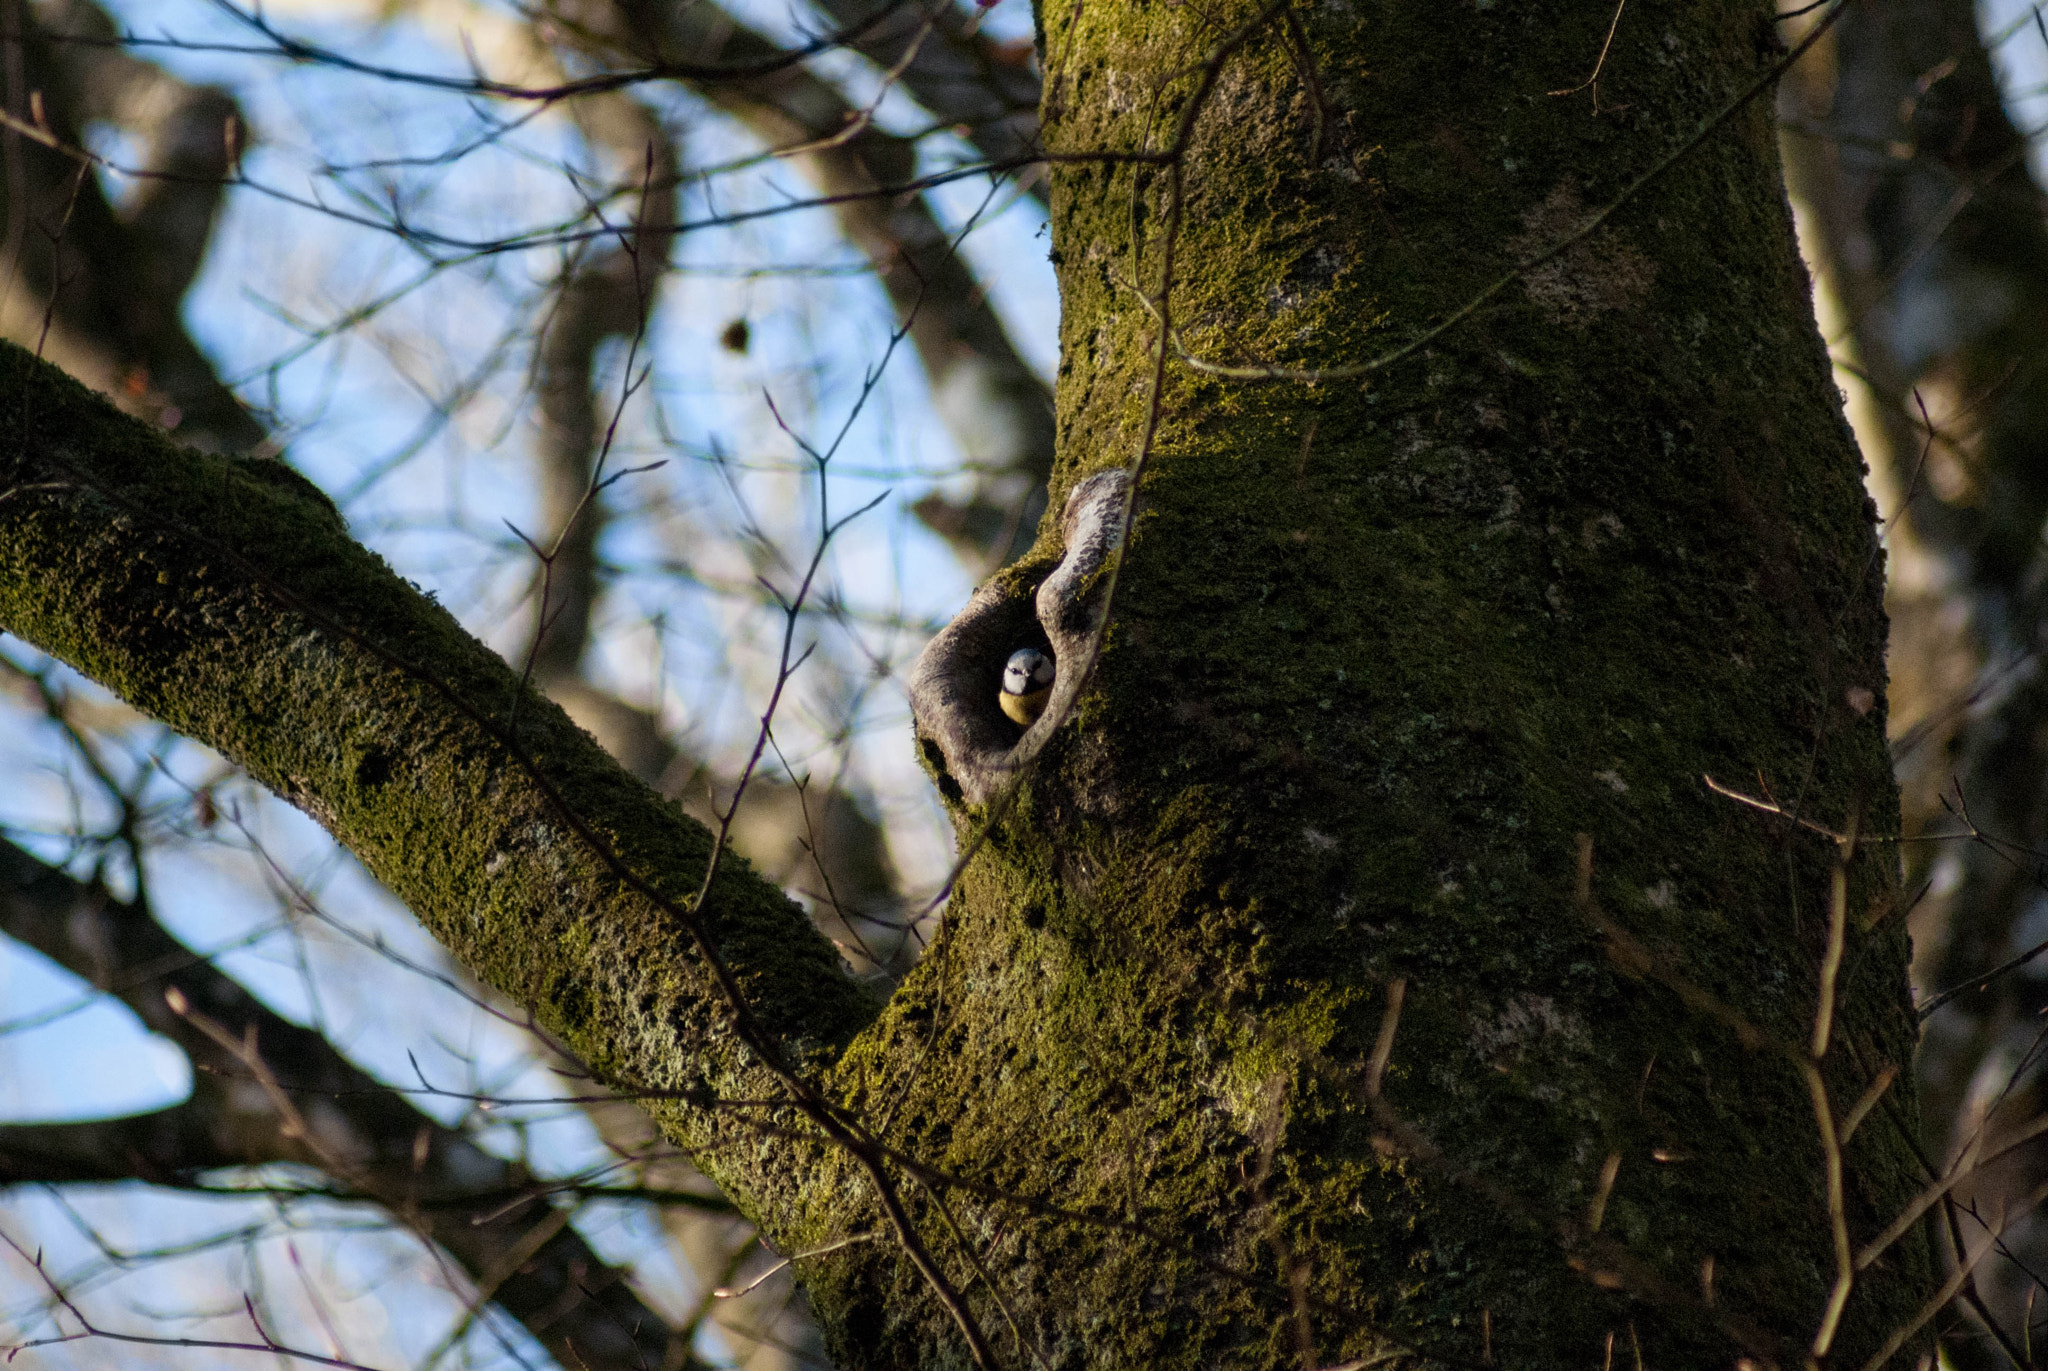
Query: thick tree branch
609	293
819	843
151	251
543	866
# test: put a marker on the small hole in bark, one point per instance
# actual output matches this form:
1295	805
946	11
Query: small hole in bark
1036	641
956	688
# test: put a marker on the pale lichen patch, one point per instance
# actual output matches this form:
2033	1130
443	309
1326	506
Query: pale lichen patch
1598	275
1526	1021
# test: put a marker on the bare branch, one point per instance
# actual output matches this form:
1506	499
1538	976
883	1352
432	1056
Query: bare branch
996	409
374	1143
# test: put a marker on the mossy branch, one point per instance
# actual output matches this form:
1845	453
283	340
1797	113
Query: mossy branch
226	598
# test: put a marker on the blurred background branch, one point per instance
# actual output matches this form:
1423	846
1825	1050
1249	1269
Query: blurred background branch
1925	225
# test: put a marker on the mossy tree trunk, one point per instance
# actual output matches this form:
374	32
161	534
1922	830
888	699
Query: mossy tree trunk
1365	971
1388	654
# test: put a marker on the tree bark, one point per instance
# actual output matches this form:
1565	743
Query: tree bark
347	691
1364	971
1385	653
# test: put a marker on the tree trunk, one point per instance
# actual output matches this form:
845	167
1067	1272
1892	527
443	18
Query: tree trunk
1386	652
1365	970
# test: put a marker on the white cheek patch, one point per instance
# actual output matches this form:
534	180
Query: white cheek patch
1027	670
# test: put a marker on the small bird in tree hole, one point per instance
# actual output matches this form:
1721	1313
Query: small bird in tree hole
1027	685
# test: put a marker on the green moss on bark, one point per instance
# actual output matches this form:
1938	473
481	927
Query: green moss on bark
1382	652
225	597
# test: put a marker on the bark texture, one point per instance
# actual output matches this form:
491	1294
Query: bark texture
1410	682
225	597
1380	654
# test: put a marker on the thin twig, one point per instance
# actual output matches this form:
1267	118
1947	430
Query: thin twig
1574	90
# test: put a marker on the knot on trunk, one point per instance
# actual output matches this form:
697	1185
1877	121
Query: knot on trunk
973	748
